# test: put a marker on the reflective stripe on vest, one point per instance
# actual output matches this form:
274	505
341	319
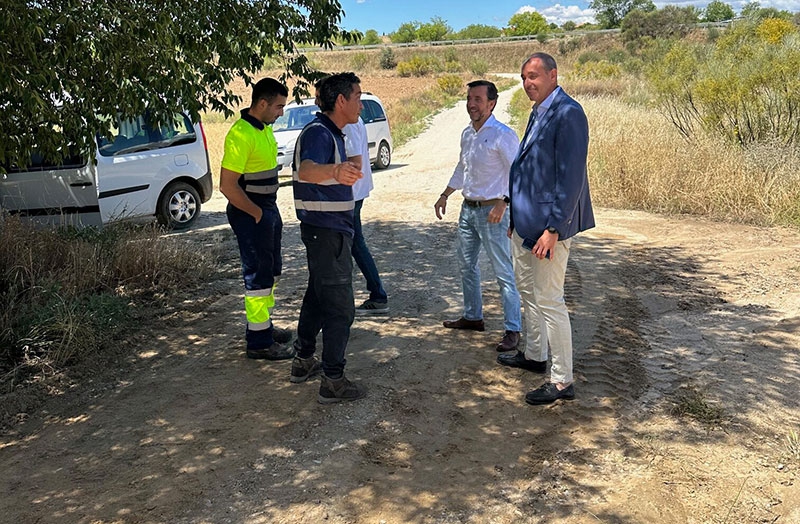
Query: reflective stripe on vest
261	182
326	206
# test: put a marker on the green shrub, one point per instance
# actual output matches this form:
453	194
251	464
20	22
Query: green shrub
419	65
450	55
589	56
452	67
387	59
569	45
602	69
359	61
451	84
479	67
742	88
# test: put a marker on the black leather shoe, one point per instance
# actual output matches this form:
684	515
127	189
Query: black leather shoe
548	394
463	323
276	351
518	360
281	336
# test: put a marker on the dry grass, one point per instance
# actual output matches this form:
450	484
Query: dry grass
638	160
65	293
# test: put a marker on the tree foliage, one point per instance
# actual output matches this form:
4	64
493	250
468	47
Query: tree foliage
754	11
433	31
69	67
474	31
371	37
670	22
610	13
718	11
527	23
407	32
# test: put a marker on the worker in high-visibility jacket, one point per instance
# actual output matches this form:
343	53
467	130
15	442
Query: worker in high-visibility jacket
249	180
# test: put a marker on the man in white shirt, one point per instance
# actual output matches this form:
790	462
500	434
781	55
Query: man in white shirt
487	150
357	145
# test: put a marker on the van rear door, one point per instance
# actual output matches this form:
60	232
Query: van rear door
64	194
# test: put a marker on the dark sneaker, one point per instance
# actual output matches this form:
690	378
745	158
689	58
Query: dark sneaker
283	336
331	391
304	369
510	341
549	393
518	360
463	323
276	351
370	307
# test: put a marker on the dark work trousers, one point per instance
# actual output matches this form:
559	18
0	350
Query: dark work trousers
328	303
260	251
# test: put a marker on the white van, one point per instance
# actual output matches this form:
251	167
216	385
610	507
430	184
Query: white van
144	171
296	115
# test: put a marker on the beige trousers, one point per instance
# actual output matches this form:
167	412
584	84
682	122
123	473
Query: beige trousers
541	289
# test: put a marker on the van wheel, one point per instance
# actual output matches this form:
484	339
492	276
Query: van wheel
178	206
384	156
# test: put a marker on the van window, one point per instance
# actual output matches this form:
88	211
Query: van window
138	134
371	112
295	118
38	163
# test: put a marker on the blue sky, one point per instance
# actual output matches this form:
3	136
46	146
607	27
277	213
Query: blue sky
386	16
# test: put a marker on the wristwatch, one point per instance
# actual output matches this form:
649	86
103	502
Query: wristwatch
506	199
551	229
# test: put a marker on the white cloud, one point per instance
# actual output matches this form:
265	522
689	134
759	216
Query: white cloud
558	14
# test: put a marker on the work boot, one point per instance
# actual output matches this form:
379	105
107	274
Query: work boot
276	351
304	369
337	390
283	336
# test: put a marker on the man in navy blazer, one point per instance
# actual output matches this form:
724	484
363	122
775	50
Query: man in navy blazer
550	203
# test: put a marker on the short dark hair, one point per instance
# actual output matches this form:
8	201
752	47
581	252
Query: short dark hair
268	89
332	86
491	89
548	62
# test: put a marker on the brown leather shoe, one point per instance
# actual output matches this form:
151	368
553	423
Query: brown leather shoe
463	323
510	341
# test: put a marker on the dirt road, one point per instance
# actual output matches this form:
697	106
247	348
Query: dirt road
189	431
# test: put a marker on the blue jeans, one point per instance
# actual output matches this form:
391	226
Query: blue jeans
364	259
474	230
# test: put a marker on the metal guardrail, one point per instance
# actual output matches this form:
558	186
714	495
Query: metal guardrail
438	43
523	38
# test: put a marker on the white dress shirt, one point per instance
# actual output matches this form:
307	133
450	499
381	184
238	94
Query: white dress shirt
486	157
356	143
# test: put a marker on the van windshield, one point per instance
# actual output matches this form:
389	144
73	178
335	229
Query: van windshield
137	134
296	117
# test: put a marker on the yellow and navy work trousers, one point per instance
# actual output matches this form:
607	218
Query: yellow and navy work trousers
260	251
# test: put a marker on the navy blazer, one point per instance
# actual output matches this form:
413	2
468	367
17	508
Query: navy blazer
548	184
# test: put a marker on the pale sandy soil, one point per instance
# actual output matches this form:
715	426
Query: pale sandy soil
189	431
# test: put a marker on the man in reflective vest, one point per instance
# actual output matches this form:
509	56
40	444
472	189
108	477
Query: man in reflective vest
323	197
249	180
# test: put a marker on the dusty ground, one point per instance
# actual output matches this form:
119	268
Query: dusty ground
192	432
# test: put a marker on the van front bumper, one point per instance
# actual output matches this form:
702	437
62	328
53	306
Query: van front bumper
206	183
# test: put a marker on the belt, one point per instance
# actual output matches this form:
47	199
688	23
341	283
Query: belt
481	203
